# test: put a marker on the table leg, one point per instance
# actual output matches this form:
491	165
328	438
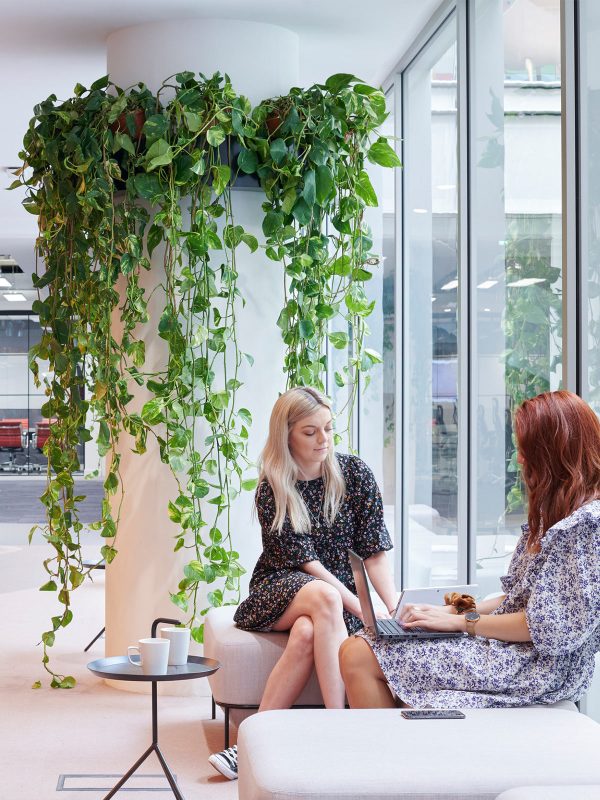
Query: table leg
153	748
130	772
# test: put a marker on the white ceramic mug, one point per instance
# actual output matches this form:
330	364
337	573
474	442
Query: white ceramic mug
154	655
180	644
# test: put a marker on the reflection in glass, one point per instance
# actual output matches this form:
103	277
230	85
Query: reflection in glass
431	313
516	222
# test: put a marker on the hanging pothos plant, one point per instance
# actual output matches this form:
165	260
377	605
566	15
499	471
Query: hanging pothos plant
114	176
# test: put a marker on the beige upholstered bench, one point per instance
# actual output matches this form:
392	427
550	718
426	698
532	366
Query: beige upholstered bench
378	755
247	660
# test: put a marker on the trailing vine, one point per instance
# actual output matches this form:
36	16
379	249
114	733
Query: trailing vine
117	178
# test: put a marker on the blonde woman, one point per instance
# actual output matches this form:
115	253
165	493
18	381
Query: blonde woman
312	504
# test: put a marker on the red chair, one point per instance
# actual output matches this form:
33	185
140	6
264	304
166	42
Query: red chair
12	440
42	432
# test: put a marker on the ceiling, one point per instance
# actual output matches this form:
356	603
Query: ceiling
66	43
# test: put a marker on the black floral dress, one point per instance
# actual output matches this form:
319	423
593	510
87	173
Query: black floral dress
278	575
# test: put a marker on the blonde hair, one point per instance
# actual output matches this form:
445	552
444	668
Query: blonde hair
278	468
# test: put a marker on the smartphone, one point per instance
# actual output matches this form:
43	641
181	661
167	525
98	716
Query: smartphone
432	713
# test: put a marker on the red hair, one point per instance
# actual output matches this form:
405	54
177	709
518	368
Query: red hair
558	436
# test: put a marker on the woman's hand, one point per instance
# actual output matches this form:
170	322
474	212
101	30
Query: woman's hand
431	617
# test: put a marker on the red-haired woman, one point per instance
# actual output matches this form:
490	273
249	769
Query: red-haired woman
536	643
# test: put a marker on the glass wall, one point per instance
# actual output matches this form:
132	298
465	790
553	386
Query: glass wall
23	430
589	37
516	249
377	402
430	291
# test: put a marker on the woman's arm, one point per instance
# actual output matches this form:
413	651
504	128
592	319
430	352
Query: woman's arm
349	600
505	627
379	573
487	606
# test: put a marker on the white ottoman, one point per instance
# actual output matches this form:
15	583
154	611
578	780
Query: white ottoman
552	793
376	754
247	660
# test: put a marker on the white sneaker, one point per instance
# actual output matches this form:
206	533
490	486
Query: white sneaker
225	762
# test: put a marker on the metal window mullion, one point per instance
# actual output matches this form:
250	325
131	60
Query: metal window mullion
571	322
464	534
400	508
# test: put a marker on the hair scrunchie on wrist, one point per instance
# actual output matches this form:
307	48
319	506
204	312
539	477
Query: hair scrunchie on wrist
461	602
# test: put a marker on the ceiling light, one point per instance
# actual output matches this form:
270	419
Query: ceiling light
526	282
450	285
487	284
15	297
4	284
433	299
487	309
447	309
446	186
420	210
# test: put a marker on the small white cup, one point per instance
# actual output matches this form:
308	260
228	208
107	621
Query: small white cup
154	656
180	644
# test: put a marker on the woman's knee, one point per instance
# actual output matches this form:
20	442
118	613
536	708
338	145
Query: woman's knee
301	639
325	600
356	656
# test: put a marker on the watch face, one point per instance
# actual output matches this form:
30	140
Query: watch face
472	616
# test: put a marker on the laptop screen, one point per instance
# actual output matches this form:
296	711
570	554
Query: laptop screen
362	589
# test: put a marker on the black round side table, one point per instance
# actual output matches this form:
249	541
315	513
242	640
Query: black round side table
121	669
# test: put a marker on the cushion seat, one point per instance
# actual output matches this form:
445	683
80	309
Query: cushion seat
378	755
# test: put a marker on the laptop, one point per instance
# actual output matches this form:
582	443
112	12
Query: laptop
386	628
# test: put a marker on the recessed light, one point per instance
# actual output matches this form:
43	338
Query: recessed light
4	284
420	210
526	282
487	309
433	299
15	297
447	309
487	284
450	285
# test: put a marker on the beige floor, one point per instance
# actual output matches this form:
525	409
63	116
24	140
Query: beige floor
91	729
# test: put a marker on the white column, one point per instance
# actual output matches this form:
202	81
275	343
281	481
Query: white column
262	61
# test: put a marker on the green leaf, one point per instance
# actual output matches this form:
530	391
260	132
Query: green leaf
324	184
159	154
272	222
381	153
250	484
36	685
215	135
339	380
324	311
309	192
306	328
373	356
68	682
180	600
247	161
152	412
49	587
251	241
302	211
155	234
154	127
108	553
339	81
342	266
244	414
278	150
147	186
192	120
48	638
364	189
338	339
198	634
122	140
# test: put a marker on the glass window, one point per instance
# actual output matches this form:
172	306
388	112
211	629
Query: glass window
430	282
516	302
377	407
589	37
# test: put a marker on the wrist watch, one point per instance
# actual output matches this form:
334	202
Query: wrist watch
471	619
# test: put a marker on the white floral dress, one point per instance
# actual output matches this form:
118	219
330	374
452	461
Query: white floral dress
559	590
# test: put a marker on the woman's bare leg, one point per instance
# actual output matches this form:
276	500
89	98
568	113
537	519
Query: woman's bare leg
366	686
323	604
292	671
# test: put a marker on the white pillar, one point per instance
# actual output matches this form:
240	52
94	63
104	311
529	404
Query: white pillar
262	61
